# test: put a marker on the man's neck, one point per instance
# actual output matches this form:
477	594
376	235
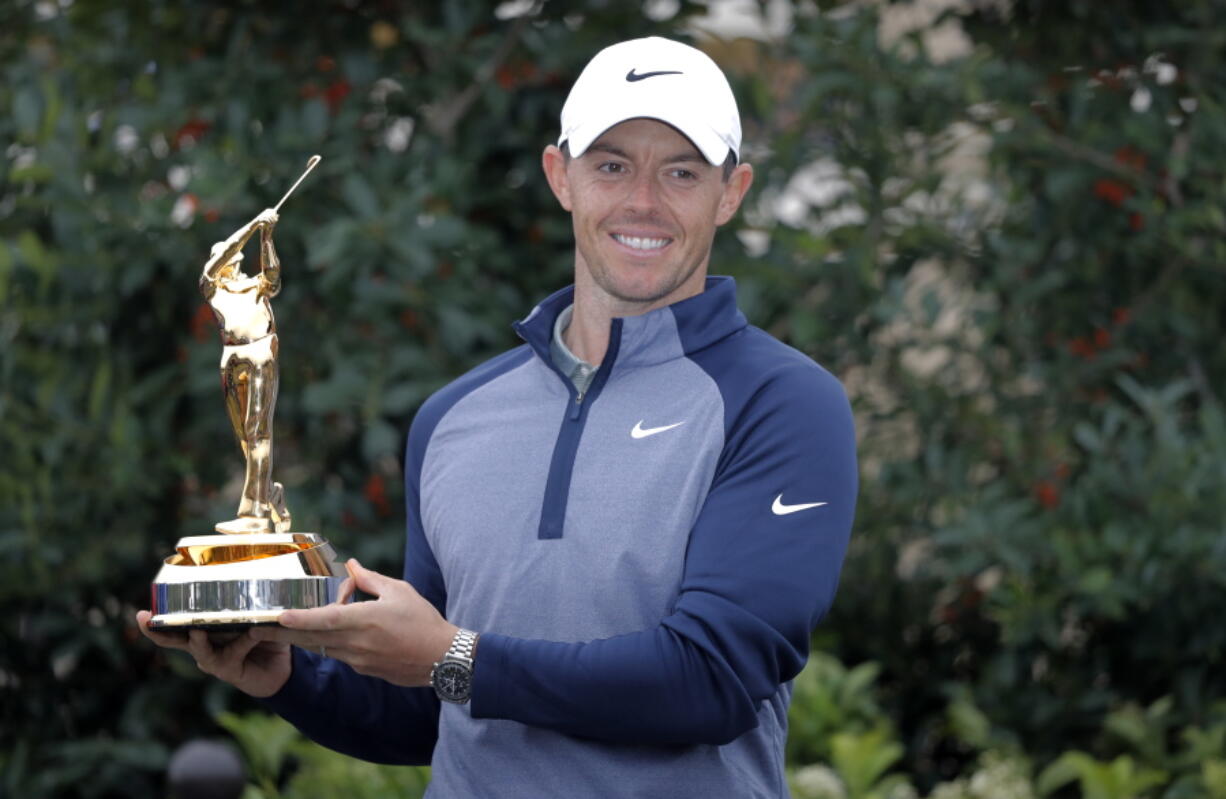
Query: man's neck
587	336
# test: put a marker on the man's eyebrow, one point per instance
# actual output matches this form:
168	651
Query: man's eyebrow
601	147
685	157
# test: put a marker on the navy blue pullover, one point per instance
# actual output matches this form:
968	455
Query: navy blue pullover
645	563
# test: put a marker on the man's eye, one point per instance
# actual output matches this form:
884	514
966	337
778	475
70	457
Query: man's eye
684	174
611	167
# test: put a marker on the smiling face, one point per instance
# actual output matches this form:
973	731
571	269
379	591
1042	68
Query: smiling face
645	205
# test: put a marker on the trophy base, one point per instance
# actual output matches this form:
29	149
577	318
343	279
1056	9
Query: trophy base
232	582
219	621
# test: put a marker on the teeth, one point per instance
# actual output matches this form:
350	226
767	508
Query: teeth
640	243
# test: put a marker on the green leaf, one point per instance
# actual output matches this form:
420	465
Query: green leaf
862	759
6	269
360	197
1213	775
1088	437
969	723
34	173
265	740
54	104
1065	769
34	253
402	397
99	389
330	243
379	439
314	125
1096	580
1119	779
27	112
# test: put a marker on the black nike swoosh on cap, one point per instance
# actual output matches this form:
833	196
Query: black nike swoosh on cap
632	77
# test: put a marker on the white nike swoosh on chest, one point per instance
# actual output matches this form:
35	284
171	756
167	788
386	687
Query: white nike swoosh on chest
779	509
642	432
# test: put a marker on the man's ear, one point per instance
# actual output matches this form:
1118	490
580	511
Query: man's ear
734	192
553	162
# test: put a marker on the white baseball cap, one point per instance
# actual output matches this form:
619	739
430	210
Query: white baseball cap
654	78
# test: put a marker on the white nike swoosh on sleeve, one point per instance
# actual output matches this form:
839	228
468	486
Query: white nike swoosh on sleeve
779	509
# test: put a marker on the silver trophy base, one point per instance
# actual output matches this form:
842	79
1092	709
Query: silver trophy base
219	582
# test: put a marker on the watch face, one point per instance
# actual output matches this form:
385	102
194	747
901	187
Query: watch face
452	681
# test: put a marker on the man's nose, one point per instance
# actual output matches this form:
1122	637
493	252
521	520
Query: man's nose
644	195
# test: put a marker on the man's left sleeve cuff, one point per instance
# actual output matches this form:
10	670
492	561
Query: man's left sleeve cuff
489	673
298	691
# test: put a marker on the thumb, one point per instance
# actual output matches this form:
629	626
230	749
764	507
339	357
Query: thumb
368	581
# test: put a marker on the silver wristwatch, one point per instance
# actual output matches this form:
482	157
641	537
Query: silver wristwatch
452	677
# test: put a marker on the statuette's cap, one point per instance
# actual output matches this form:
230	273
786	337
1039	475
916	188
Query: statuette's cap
654	78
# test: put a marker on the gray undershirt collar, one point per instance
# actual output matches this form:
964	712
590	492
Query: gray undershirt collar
579	371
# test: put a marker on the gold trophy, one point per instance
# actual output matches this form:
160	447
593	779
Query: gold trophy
256	568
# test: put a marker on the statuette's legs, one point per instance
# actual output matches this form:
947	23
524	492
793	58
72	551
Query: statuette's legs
249	378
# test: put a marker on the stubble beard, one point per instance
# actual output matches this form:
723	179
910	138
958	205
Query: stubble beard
603	277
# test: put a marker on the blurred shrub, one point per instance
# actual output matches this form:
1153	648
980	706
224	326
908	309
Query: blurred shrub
1104	595
1010	251
827	699
1141	751
284	765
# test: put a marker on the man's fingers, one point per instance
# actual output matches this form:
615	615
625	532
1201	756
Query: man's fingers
170	640
175	640
201	648
329	617
345	592
310	640
240	647
281	635
372	582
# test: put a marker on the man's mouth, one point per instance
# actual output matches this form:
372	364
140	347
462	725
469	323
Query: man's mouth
641	242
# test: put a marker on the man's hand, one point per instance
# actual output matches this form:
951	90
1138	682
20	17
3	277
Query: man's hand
267	219
257	668
398	637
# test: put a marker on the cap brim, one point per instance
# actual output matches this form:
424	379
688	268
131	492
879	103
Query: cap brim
706	141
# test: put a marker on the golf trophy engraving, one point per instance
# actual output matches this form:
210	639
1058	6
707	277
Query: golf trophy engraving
255	567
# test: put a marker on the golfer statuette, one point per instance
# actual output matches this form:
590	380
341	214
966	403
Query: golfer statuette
257	567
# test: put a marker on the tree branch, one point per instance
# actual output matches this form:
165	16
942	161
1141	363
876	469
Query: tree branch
442	119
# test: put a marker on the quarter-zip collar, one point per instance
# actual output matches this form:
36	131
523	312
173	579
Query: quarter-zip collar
654	337
635	342
580	372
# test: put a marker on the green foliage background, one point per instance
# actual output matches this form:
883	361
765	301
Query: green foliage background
1013	257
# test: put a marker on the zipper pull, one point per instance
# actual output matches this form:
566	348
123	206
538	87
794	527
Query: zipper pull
577	408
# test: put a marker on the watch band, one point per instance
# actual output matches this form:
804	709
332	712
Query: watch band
452	676
463	646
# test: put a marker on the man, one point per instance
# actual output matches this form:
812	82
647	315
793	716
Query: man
249	367
640	513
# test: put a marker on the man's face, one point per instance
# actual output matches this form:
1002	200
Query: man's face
645	205
232	269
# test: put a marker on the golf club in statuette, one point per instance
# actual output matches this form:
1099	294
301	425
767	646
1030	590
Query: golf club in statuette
254	567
